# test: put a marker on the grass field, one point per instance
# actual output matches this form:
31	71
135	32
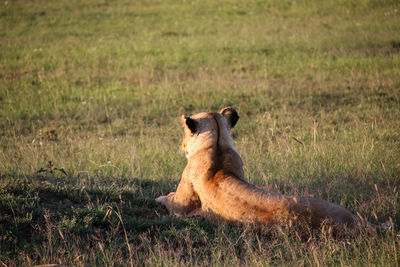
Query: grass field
90	98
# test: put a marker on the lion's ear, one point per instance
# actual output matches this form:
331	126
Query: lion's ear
231	116
190	123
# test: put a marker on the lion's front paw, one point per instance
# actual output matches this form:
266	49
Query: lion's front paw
161	199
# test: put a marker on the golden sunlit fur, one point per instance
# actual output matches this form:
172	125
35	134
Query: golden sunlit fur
213	184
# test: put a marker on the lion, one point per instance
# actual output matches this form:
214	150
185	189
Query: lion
213	183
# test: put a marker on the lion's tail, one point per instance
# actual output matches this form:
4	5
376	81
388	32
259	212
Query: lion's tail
379	228
384	227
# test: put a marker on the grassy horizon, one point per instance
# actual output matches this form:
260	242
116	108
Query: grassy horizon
97	89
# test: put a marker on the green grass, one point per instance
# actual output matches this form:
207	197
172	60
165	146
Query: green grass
97	88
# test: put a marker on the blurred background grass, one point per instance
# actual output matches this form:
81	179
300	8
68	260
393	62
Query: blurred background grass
97	88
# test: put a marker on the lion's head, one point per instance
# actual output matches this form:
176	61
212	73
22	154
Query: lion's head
208	130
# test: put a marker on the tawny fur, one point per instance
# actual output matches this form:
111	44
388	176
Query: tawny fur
213	184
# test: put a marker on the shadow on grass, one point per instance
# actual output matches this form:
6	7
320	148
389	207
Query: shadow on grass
32	207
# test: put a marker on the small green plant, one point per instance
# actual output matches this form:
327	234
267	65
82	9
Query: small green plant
51	169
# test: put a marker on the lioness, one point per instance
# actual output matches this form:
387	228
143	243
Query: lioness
213	184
